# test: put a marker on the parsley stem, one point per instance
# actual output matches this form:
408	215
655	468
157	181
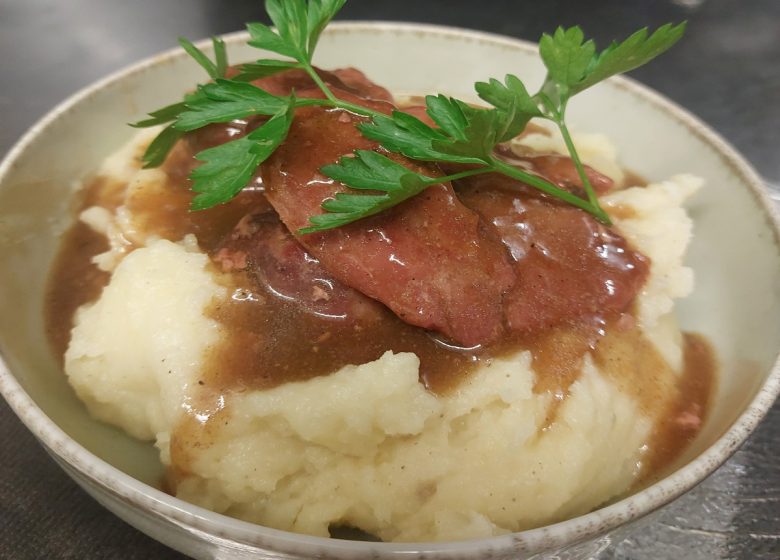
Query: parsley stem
317	80
597	210
332	100
462	175
550	189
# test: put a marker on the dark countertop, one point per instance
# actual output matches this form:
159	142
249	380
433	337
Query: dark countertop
726	70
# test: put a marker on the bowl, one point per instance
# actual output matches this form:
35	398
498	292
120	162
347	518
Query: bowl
736	238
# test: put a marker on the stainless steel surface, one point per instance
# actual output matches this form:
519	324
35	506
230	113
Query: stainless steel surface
727	71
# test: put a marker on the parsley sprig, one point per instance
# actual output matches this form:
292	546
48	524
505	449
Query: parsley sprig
463	134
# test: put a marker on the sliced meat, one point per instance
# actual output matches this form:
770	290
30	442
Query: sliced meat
262	246
568	265
357	82
558	169
430	259
350	80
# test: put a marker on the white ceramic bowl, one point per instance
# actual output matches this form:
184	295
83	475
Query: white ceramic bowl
735	255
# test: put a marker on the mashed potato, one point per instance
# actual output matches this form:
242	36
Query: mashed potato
368	446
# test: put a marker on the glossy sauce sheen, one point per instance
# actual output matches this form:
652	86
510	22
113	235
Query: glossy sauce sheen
568	266
291	319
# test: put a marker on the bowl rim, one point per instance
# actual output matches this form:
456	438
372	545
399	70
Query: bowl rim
630	508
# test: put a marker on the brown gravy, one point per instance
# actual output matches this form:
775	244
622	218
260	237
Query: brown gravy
679	424
269	341
272	342
73	279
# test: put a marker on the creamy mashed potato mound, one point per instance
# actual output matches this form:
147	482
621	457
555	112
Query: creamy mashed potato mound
368	446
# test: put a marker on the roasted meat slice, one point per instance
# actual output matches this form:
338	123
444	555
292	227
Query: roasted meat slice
262	246
556	168
429	259
345	79
568	265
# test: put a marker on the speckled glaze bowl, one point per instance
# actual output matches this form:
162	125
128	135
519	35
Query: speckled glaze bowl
735	255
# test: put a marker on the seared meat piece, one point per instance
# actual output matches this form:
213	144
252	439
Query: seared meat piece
261	245
568	265
351	80
355	81
558	169
345	79
430	259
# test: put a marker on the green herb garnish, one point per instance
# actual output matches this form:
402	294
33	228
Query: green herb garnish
465	134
